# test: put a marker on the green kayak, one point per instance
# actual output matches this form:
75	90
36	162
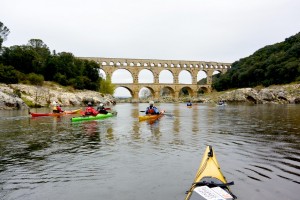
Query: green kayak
91	117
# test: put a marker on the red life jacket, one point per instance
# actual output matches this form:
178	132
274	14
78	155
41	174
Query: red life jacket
90	111
151	111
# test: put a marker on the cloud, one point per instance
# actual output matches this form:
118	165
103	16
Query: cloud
199	30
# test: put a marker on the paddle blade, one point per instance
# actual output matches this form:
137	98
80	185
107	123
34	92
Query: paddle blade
82	112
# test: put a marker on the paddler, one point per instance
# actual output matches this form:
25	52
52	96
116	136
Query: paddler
90	110
56	108
101	109
152	110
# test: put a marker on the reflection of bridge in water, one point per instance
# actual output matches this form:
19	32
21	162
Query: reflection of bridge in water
135	66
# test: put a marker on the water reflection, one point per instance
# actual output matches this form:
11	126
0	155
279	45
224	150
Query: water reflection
256	145
90	128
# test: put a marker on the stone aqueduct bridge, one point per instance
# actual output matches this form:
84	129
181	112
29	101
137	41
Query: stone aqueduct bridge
134	66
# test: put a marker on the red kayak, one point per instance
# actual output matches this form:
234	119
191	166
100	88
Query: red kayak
55	114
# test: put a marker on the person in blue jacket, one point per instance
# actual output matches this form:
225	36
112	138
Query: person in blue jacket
189	103
152	110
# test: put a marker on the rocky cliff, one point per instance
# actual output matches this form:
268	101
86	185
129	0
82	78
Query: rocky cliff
20	96
284	94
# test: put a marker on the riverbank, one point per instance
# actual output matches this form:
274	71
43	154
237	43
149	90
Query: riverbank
276	94
20	96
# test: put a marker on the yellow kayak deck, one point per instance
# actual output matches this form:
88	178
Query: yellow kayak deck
148	117
208	170
151	117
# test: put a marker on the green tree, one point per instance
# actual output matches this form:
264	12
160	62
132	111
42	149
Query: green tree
8	74
4	32
40	53
35	79
106	87
273	64
20	57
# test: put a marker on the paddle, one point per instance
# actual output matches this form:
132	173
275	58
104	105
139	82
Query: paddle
169	115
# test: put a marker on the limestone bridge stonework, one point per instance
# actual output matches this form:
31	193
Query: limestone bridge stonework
134	66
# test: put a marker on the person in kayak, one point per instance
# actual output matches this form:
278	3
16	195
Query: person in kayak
221	102
152	110
189	103
101	109
90	110
56	108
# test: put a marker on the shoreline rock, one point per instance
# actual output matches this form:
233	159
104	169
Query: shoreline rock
283	94
276	94
10	100
20	96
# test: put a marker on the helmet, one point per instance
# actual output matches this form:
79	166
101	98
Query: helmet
151	102
101	104
89	104
54	103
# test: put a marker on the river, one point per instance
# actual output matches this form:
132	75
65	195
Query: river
117	158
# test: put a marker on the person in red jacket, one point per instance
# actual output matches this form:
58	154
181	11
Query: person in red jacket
90	110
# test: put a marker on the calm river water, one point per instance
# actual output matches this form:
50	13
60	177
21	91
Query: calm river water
120	158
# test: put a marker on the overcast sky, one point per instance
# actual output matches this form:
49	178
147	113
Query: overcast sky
200	30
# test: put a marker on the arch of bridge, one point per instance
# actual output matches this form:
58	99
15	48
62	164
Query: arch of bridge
156	88
134	66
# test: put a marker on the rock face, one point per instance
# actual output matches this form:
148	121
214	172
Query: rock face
10	100
41	96
275	94
20	96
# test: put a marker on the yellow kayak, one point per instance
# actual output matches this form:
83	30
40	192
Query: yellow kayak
148	117
209	180
151	117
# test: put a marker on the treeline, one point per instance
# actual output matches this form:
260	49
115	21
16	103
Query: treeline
273	64
33	63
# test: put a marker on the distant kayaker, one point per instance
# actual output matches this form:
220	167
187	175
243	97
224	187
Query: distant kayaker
90	110
221	102
152	110
56	108
189	103
101	109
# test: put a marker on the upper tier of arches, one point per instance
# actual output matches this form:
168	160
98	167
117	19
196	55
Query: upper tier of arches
134	66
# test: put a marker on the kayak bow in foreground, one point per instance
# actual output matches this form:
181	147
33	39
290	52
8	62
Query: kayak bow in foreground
210	183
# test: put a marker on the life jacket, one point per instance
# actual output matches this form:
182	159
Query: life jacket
151	110
89	111
102	111
55	110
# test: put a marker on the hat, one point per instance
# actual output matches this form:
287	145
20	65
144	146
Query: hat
151	102
54	103
89	104
101	104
